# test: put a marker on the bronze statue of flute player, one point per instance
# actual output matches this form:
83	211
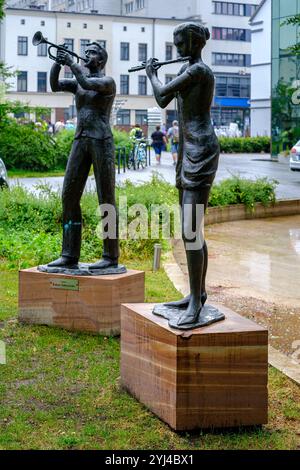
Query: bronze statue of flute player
198	158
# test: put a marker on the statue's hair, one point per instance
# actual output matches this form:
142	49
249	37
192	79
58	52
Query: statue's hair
197	29
102	51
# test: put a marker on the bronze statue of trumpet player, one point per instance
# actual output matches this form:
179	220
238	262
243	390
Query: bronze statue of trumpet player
197	164
93	144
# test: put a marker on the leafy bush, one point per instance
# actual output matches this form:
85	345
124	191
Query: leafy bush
64	140
24	147
27	148
121	139
237	190
245	144
31	224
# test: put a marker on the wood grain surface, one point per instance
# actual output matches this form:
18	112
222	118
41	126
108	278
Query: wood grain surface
94	307
214	376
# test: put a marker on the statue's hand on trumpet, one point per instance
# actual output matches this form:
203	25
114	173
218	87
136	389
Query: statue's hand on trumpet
64	58
38	39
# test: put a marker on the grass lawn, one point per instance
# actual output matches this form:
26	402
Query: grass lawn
34	174
60	390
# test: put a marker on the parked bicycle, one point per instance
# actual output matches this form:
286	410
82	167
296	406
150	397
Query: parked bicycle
138	155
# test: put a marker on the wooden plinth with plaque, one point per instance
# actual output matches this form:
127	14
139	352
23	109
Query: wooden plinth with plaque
84	303
209	377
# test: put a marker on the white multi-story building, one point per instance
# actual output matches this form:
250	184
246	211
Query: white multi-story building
139	30
261	24
104	7
128	41
228	52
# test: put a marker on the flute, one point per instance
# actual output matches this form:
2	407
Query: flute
159	64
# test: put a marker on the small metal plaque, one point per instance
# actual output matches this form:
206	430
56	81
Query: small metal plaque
65	284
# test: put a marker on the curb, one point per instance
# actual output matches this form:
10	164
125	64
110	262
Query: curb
283	207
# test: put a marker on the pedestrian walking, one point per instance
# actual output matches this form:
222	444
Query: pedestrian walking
158	142
173	135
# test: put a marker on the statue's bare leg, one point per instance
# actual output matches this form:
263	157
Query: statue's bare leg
194	204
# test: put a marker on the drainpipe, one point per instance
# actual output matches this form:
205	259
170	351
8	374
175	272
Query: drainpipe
153	37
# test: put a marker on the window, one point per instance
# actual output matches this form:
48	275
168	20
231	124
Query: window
124	50
42	82
124	84
169	78
102	43
68	72
141	117
124	28
68	25
236	60
84	25
42	50
22	45
143	29
123	117
142	52
231	34
139	4
22	81
233	86
22	21
235	9
83	45
100	26
169	51
42	23
224	116
129	7
142	85
69	43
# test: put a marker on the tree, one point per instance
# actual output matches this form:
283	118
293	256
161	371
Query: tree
295	21
2	8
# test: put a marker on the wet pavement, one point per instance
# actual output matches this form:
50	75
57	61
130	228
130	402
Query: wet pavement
246	165
254	268
262	258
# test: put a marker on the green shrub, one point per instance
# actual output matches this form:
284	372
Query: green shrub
121	139
27	148
64	140
237	190
24	147
245	144
31	224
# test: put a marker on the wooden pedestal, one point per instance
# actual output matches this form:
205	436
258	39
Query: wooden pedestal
83	303
214	376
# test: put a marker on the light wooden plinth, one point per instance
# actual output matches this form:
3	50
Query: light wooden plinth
94	306
214	376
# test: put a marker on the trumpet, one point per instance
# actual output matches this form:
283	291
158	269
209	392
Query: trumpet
38	38
159	64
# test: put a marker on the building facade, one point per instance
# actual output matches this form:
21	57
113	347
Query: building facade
261	23
228	52
141	35
285	77
128	41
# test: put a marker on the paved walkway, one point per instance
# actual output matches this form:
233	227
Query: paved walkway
246	165
254	268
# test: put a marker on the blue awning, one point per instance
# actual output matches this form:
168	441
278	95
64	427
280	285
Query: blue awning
232	102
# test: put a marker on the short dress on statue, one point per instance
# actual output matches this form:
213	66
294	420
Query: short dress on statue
199	150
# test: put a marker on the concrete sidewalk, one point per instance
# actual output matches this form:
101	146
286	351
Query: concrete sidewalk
246	165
